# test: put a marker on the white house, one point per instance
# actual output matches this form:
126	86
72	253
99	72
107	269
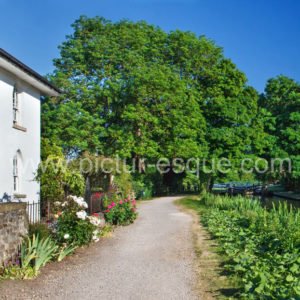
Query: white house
20	128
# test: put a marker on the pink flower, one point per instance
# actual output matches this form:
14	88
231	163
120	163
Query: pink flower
107	210
133	209
121	202
97	195
125	200
95	214
59	213
109	206
113	204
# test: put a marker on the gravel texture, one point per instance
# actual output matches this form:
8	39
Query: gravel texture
151	259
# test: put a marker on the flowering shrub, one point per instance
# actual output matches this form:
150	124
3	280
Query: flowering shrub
74	226
121	212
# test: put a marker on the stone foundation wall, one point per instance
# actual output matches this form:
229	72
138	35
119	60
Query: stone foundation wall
13	224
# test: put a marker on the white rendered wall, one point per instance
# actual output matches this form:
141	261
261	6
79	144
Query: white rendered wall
12	140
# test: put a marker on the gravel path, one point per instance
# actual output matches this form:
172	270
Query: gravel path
151	259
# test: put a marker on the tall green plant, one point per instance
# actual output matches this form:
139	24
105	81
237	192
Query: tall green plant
57	178
36	252
262	246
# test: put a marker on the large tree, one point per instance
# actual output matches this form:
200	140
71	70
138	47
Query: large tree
134	90
281	101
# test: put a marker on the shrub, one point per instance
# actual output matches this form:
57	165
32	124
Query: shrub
71	229
73	225
56	177
121	212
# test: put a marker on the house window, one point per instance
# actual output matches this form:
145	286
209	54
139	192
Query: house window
16	110
16	173
17	176
15	106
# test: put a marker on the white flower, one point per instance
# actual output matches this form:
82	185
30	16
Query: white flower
80	201
57	203
95	232
66	236
84	204
64	204
95	239
94	221
81	215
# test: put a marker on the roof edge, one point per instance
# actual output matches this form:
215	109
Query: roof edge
28	70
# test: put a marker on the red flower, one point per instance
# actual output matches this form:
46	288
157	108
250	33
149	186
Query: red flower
95	214
107	210
97	195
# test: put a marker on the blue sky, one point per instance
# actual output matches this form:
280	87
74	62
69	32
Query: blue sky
261	36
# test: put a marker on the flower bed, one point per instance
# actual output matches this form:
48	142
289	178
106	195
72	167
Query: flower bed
121	212
71	228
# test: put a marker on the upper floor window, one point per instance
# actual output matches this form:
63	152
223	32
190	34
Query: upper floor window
16	110
16	106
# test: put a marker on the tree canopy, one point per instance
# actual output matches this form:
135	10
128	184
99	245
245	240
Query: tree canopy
281	101
133	90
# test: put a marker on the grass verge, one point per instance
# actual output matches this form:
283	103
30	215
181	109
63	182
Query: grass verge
212	279
259	247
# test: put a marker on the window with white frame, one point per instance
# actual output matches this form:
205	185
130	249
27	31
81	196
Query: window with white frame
16	173
16	111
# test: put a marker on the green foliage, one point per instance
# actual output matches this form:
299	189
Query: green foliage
45	251
262	247
80	231
65	251
129	82
36	252
48	148
74	227
281	100
106	231
141	190
133	90
78	129
56	178
121	212
28	251
147	184
105	171
39	229
13	271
